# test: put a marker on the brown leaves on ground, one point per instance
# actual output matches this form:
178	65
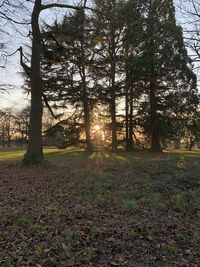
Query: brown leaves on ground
76	215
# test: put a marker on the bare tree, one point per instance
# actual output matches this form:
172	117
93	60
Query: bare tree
6	127
21	126
190	20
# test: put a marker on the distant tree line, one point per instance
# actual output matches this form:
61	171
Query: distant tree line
14	127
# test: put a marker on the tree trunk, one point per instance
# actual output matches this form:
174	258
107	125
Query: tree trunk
191	144
34	152
112	53
86	113
128	107
113	98
113	108
86	106
87	128
113	124
127	117
3	141
177	143
155	130
131	121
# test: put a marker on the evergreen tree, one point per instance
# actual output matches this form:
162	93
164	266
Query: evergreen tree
164	67
66	65
132	40
108	69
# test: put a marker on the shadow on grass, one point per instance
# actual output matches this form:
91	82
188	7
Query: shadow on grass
52	154
72	152
108	155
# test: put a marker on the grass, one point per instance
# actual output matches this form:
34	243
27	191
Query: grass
129	206
14	154
103	206
172	249
21	221
54	154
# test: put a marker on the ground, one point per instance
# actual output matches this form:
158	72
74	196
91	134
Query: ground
100	209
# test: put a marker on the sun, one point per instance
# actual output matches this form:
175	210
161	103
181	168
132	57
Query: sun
97	127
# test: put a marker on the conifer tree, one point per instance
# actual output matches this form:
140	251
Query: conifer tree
133	17
66	65
108	70
165	67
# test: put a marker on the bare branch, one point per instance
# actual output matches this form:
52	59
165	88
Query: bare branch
48	106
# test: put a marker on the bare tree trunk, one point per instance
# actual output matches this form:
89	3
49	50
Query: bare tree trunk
35	151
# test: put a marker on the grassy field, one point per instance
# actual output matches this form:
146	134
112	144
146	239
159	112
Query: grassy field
100	209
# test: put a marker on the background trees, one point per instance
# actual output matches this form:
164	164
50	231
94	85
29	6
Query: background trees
66	63
190	11
166	68
34	150
14	126
108	67
117	67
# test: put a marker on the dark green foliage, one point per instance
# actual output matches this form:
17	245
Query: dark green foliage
162	69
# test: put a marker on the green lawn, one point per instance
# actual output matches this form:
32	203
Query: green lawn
100	209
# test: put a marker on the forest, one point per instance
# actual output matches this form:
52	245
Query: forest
99	158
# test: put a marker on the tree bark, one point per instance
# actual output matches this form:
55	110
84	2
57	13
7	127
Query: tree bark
34	152
113	123
113	93
86	114
86	107
87	126
177	143
155	130
127	117
131	121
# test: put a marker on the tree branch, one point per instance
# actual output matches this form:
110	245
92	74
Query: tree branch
26	68
48	106
43	7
